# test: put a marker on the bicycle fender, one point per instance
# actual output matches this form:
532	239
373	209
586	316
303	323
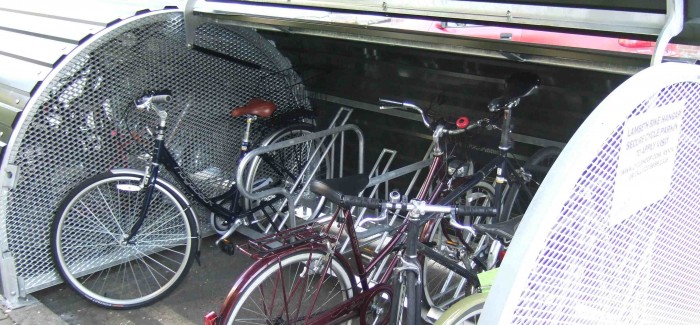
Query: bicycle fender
170	186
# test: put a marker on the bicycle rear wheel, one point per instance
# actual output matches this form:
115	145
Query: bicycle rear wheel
520	195
290	168
89	249
289	290
443	287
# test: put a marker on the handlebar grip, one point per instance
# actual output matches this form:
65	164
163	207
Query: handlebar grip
157	97
468	210
359	201
161	98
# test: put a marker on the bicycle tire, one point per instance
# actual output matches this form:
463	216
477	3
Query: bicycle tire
441	286
87	241
518	198
263	301
294	159
465	312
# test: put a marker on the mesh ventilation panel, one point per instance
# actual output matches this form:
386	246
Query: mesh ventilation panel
82	122
623	243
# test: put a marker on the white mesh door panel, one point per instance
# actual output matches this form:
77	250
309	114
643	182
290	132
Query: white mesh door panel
613	235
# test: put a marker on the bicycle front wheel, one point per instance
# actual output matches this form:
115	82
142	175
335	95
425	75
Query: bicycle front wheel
291	290
466	312
443	287
89	248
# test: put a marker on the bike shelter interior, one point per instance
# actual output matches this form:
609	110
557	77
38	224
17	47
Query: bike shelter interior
63	90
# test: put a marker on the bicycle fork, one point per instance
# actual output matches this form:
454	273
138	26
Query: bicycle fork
152	175
408	279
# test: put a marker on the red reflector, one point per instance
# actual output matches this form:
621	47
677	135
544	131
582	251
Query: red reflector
210	318
462	122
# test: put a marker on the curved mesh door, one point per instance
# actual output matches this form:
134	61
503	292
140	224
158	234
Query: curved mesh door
613	235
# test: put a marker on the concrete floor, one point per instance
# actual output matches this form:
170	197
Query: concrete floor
203	290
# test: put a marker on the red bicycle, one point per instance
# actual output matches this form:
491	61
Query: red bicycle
301	277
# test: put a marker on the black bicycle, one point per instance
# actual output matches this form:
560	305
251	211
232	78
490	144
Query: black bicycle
126	238
513	188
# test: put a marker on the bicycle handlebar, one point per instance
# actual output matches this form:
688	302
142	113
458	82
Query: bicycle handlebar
418	206
392	104
159	97
462	122
148	102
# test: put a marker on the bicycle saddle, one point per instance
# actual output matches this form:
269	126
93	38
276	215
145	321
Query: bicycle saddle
256	106
335	188
518	85
503	230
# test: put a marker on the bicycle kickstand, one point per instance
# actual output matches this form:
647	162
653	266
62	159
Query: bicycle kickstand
223	243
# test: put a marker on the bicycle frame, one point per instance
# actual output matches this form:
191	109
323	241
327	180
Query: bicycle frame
161	156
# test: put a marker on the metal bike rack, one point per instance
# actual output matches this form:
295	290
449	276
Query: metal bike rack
329	135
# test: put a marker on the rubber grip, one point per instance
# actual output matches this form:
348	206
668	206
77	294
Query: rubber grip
161	98
357	201
468	210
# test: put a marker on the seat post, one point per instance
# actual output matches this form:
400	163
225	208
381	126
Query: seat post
506	142
246	135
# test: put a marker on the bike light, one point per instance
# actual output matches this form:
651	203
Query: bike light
462	122
210	318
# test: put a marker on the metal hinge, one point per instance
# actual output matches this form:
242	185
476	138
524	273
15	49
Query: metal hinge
8	177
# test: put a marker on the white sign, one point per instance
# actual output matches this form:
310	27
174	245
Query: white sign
647	155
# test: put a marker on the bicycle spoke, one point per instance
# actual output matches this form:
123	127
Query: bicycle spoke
95	218
116	222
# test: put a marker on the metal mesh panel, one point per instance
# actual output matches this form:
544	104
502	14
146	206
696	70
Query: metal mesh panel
623	248
81	124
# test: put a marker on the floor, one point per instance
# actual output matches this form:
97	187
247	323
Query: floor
202	291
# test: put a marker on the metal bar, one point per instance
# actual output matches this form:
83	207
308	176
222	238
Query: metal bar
673	26
588	59
607	20
375	170
328	148
398	172
191	22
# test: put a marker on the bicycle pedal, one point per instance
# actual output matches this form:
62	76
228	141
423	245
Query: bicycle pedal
227	247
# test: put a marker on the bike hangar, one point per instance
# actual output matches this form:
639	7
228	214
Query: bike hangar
69	69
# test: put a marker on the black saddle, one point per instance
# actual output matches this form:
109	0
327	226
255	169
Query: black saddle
518	85
335	188
503	230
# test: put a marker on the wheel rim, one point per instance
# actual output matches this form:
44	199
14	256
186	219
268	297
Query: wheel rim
100	265
268	284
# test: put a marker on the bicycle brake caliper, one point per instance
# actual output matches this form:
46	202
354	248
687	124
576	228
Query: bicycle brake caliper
408	266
